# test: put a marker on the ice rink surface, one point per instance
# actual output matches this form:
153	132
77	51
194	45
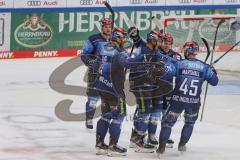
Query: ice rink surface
30	130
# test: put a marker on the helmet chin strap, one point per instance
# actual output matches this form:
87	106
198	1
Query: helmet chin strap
189	56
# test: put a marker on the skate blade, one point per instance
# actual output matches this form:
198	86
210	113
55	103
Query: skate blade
169	145
132	145
155	145
115	154
101	151
160	155
144	150
181	152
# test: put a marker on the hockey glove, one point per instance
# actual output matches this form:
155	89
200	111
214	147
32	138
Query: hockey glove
213	69
133	33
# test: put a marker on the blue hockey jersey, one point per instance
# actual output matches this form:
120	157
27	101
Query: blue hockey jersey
171	53
190	76
92	47
111	76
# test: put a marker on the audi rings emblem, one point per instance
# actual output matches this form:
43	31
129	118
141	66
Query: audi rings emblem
185	1
34	3
86	2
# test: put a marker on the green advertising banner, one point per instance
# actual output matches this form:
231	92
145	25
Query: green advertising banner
69	30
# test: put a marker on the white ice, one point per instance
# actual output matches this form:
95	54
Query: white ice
30	130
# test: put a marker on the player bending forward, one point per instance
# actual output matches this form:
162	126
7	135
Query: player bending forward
113	60
190	75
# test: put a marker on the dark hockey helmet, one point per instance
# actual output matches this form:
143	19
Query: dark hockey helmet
118	33
106	21
191	47
167	38
153	35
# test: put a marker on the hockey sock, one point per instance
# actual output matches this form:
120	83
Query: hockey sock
115	128
91	107
102	126
141	124
153	122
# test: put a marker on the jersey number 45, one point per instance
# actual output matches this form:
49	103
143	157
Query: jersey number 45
189	89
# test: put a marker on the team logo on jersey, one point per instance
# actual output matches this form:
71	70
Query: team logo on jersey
207	30
34	32
108	47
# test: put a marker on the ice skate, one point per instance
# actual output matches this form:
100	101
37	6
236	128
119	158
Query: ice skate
169	143
133	139
152	140
114	150
161	148
101	147
89	123
182	147
142	147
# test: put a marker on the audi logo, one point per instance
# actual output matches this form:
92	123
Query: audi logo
231	1
34	3
86	2
135	1
185	1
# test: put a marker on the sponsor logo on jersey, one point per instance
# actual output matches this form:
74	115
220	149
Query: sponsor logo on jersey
34	32
34	3
136	1
2	3
207	30
86	2
185	99
231	1
185	1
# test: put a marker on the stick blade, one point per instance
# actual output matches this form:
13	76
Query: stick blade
207	46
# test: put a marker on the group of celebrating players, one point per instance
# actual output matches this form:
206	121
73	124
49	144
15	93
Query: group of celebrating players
164	83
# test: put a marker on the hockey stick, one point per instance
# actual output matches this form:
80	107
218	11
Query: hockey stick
131	24
208	49
111	10
213	50
214	62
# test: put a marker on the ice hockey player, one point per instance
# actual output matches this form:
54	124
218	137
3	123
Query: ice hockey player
146	115
89	54
165	47
110	85
190	75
